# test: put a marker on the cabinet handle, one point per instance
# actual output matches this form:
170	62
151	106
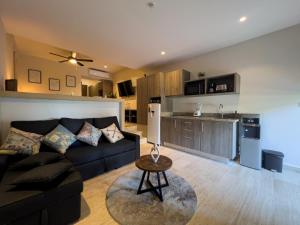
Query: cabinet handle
175	124
202	128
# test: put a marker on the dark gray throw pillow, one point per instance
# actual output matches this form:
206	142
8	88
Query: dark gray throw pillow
39	159
43	174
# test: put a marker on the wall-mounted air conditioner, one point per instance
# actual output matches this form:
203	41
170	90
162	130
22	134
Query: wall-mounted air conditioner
100	74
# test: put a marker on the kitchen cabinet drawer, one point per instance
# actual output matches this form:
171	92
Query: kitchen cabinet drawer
187	125
187	142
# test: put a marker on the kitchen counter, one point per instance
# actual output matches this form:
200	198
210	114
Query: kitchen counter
207	136
209	118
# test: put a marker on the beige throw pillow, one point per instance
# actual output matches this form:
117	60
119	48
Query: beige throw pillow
112	133
21	142
89	134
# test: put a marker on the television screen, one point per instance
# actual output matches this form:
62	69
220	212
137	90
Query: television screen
121	89
125	88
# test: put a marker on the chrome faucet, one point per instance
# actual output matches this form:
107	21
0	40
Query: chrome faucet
221	110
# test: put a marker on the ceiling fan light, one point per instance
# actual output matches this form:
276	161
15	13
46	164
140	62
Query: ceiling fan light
73	61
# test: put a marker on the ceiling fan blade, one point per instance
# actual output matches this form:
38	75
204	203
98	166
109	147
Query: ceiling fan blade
58	55
62	61
85	60
79	63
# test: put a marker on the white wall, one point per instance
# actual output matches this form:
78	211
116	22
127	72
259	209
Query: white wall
270	85
9	57
13	109
6	56
2	55
49	69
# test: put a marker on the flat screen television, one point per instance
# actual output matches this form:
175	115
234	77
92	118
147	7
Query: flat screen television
125	88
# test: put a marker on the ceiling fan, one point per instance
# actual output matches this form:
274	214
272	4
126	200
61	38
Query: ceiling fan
72	59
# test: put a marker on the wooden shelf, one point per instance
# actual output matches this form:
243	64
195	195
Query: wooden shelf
230	83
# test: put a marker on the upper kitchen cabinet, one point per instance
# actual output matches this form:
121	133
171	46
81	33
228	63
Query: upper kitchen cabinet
154	85
229	83
142	100
174	82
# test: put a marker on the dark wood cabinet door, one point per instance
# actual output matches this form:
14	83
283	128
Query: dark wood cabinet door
174	82
174	131
165	128
206	136
216	138
142	100
154	85
223	139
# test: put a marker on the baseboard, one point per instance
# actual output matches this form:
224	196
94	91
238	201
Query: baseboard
291	167
196	152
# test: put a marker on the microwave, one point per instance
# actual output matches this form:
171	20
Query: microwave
195	87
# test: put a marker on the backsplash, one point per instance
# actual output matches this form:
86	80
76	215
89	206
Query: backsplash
210	103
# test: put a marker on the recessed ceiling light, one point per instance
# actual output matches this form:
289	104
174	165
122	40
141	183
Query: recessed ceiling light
162	52
151	4
105	66
243	19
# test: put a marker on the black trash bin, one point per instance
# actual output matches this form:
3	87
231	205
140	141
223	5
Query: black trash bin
272	160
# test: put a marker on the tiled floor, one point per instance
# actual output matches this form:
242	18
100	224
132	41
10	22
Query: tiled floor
227	193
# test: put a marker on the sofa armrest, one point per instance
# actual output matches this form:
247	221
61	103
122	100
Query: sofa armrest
136	139
3	165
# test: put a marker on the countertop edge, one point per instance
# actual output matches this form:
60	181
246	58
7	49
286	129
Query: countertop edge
24	95
202	118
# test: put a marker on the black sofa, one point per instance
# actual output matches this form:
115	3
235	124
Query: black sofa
60	205
56	204
89	160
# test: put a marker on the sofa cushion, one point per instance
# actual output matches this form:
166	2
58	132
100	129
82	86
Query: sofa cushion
42	175
22	142
83	154
39	159
74	125
105	122
59	139
89	134
121	146
19	203
42	127
112	133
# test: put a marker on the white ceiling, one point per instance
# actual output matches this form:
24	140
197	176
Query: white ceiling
128	33
41	50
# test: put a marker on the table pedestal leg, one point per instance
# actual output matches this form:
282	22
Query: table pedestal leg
155	189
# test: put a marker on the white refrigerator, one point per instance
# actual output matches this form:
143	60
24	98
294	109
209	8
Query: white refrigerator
153	127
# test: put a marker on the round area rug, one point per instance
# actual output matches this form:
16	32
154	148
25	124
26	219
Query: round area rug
128	208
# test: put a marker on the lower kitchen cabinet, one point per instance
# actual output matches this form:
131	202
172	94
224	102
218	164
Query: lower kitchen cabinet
170	130
190	137
216	138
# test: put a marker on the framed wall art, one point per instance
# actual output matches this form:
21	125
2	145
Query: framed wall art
34	76
54	84
70	81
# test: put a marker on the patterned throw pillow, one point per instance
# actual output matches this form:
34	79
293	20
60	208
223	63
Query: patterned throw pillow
89	134
59	139
21	142
112	133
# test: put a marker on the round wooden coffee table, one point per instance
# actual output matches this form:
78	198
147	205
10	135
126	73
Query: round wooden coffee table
146	164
